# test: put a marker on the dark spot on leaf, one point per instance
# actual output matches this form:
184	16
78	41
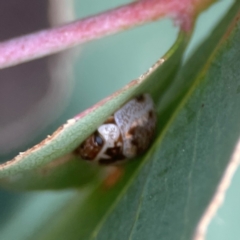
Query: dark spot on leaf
163	172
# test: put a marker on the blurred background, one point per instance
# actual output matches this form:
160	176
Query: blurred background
39	96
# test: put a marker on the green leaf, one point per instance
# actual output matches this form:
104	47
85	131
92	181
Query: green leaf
54	153
164	195
223	222
193	151
68	172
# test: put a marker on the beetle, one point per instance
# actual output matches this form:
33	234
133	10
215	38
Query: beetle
124	135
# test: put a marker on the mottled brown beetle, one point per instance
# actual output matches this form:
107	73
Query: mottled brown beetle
124	135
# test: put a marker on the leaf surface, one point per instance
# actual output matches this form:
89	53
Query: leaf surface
53	155
164	195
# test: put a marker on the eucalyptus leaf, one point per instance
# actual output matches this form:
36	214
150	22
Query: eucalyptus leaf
68	172
164	195
193	152
48	156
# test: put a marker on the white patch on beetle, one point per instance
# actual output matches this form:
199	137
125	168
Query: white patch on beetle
135	114
110	133
124	135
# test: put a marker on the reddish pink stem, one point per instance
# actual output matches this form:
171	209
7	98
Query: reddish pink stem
50	41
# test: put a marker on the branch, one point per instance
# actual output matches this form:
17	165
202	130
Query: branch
46	42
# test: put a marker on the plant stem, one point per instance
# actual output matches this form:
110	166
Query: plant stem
46	42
